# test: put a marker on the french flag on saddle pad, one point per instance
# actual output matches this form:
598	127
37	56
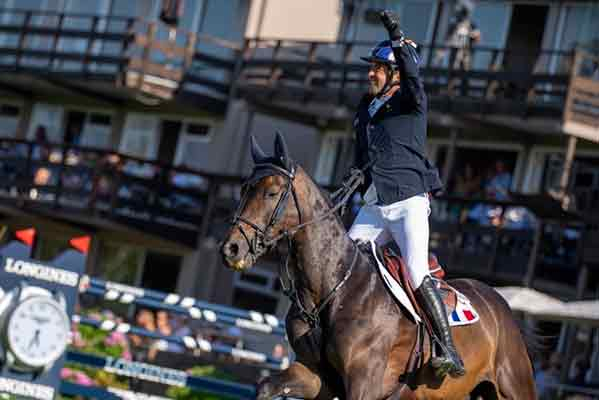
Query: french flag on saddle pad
463	314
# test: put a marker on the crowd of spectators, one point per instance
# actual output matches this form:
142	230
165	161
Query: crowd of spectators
146	348
494	185
93	177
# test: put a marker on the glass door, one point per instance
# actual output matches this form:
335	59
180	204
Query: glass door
50	117
140	136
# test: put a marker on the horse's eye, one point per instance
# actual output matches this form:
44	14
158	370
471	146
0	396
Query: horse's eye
271	193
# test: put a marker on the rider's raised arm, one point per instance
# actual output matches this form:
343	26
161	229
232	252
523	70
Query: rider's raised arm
407	58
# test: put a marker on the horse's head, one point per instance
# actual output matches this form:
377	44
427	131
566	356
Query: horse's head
268	207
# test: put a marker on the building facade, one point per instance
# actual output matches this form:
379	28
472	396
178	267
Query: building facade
116	125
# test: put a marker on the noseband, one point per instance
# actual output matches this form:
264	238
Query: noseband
262	242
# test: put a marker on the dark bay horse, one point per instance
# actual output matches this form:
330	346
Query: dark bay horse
351	339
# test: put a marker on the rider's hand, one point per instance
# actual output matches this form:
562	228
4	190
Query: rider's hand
355	171
391	23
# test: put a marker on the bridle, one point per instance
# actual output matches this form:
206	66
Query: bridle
262	241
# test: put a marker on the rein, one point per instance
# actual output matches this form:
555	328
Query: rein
262	242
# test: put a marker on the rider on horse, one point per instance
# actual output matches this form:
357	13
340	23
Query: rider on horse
390	128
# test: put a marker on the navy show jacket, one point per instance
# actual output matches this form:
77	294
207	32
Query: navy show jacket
393	140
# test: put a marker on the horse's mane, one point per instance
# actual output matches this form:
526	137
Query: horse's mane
325	195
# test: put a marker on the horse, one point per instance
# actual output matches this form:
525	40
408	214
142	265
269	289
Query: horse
351	338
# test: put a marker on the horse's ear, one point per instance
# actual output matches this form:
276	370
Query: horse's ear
257	153
281	152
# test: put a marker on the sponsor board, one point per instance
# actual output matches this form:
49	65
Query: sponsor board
148	372
59	275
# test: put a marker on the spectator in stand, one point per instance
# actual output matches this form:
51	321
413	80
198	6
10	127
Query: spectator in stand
165	328
467	185
181	329
497	187
547	376
139	344
41	148
468	182
578	372
519	218
279	351
500	182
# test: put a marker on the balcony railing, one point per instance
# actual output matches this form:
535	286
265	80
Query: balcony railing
324	71
111	184
507	240
130	52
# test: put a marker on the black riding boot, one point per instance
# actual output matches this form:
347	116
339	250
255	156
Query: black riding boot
430	300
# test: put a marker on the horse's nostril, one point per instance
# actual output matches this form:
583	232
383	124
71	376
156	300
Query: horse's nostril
233	249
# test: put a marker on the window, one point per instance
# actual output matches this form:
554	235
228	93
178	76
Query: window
336	156
48	116
89	129
120	263
577	27
196	130
9	120
97	130
583	182
194	135
140	136
493	21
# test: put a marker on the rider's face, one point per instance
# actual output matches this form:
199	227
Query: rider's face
377	77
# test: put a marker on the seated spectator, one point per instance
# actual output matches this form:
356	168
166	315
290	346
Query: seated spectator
486	214
164	327
547	376
186	180
519	218
139	169
578	372
41	148
145	320
468	183
279	351
500	182
42	176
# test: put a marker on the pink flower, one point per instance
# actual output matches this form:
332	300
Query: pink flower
66	373
127	355
115	338
83	379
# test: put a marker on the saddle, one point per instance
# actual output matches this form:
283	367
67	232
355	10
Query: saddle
397	267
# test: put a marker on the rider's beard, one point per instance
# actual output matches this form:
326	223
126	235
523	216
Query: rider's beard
374	87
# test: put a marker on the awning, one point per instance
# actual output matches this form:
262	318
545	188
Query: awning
545	307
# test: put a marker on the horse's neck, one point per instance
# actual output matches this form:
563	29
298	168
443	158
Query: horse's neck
323	250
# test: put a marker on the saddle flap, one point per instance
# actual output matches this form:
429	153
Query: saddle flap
398	270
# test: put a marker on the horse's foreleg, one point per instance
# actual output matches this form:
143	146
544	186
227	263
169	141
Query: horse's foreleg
364	377
295	381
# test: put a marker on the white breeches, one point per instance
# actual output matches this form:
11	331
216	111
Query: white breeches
406	222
